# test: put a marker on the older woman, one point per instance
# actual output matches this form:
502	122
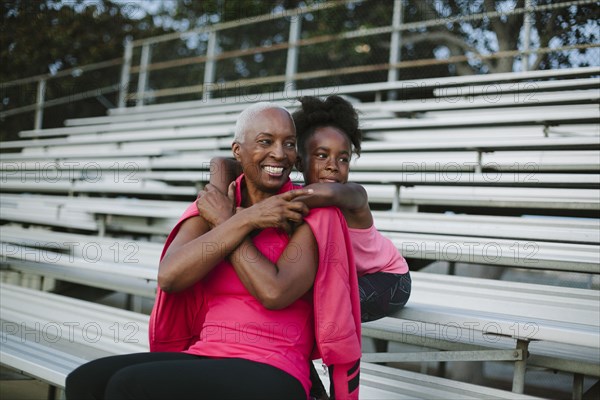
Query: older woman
234	315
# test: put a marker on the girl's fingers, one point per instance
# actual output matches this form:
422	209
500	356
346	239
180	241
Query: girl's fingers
294	216
292	194
231	191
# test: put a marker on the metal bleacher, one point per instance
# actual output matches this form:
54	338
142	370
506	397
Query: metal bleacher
453	179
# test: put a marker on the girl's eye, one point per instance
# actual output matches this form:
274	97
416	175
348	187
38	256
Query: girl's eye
321	155
344	159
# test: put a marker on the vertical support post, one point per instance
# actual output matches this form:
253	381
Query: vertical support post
51	393
292	54
577	386
39	104
441	369
520	367
451	268
395	44
527	16
101	223
125	73
209	67
136	304
396	200
143	76
381	345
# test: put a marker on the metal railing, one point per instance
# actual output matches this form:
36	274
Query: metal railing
290	77
40	82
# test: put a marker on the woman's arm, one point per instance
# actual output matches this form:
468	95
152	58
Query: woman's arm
275	285
223	171
197	249
278	285
203	241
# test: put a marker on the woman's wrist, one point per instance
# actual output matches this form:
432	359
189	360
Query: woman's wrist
243	220
221	219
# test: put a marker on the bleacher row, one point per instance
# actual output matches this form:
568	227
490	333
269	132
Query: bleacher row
499	171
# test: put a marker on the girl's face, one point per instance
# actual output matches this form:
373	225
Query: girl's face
327	156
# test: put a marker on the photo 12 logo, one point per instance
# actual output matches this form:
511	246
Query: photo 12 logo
72	332
69	172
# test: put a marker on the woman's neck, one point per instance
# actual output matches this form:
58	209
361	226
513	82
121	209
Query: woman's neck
252	195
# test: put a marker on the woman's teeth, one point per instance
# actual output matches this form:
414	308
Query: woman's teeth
273	170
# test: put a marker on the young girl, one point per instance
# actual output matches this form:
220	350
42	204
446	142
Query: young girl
328	134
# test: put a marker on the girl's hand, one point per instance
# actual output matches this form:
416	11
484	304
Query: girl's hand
214	206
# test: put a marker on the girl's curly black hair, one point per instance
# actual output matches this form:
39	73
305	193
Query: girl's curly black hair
333	111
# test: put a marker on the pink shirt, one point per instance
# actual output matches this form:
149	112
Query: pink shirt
373	252
217	316
239	326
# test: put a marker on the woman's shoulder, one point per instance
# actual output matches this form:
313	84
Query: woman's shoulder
324	218
323	212
190	211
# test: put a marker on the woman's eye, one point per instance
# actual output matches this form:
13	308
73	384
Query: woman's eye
290	145
264	141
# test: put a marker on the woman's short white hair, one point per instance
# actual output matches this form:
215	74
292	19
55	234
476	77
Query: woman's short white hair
249	114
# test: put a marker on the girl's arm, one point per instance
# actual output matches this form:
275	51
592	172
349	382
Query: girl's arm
223	171
351	198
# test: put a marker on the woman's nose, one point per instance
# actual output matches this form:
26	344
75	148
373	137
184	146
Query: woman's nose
278	152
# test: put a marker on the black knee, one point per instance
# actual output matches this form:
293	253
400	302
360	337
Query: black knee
127	383
78	385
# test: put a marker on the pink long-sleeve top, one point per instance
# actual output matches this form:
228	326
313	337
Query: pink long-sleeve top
373	252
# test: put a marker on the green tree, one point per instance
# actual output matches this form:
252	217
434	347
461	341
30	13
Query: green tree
39	37
557	27
496	28
45	37
187	15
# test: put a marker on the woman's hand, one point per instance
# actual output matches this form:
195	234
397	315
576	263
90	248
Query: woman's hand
280	211
214	206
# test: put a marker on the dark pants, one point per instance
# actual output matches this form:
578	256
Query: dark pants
382	294
179	376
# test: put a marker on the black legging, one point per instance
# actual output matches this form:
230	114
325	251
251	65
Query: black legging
163	376
382	294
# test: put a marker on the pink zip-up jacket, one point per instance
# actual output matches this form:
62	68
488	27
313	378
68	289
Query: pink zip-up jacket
177	318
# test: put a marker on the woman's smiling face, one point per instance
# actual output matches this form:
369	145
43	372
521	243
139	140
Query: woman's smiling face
268	150
327	156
